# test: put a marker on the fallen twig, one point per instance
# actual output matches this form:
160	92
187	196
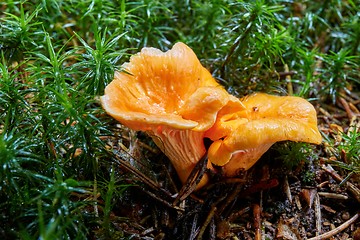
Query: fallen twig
351	187
194	228
317	214
233	195
207	221
141	176
237	214
287	189
257	221
333	195
347	108
194	178
337	230
159	194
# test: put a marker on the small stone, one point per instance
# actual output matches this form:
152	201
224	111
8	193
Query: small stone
326	223
345	216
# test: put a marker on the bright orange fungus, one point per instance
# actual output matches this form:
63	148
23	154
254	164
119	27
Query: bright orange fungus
172	97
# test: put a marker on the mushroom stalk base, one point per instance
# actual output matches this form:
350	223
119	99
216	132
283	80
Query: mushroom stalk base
184	148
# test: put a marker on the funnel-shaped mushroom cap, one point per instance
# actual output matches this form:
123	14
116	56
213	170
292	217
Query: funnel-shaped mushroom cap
164	88
170	95
241	137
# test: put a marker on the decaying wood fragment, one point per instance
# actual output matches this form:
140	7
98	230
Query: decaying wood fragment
284	231
308	195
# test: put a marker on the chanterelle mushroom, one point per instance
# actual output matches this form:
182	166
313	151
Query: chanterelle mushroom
241	137
172	97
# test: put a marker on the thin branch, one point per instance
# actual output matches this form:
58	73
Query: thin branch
351	187
318	218
257	221
193	180
207	221
337	230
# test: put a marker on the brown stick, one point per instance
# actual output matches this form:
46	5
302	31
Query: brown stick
333	195
257	221
347	108
237	214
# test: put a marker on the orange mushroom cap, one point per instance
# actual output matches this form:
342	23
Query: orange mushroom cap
164	88
171	96
242	137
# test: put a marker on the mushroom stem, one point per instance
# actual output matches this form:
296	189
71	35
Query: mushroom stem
184	148
241	159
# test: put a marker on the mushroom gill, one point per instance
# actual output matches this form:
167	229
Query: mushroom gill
171	96
242	137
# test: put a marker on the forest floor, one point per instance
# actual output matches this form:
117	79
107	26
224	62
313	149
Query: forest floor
316	199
